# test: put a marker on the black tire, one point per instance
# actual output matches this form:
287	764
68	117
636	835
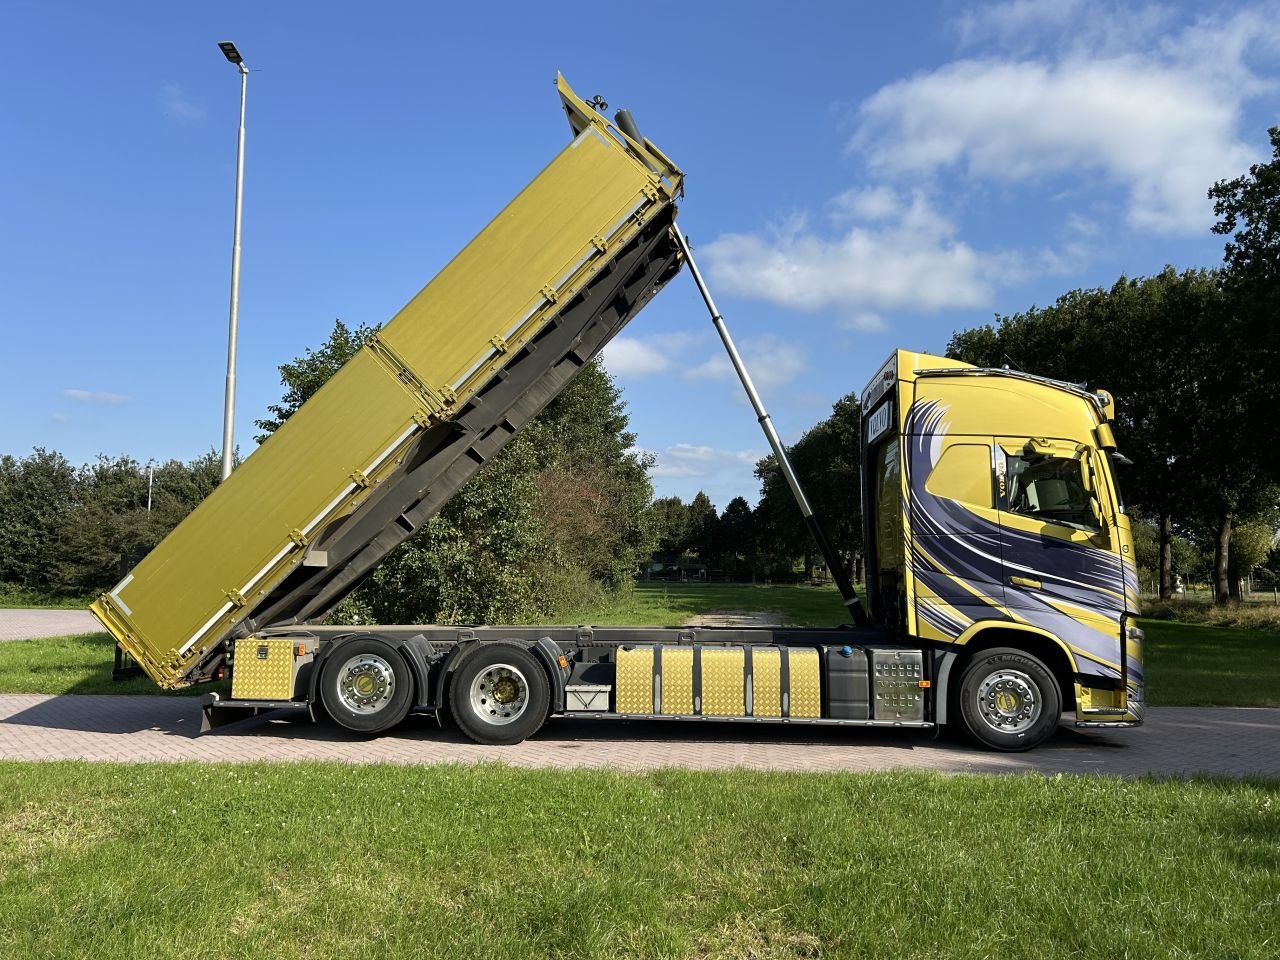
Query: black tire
366	685
500	694
1009	700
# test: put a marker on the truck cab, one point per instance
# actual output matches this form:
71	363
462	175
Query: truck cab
996	536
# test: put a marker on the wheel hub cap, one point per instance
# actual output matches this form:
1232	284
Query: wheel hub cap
499	694
1009	701
366	683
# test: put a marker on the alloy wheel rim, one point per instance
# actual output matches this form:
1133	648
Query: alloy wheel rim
366	683
499	694
1009	701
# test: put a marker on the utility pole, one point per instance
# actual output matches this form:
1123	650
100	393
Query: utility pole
229	407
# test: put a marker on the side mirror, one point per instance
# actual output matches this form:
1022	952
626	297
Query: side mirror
1090	481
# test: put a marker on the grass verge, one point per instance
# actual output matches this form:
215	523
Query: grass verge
329	861
1194	665
14	596
1251	615
76	664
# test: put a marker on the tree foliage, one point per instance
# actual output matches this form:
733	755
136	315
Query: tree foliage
827	461
563	505
64	529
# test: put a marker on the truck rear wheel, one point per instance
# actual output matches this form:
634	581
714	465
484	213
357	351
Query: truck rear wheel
1009	700
366	686
500	694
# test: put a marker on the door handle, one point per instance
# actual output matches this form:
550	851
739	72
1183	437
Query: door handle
1025	582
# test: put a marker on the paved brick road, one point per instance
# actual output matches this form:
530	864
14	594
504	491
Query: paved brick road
1176	740
29	624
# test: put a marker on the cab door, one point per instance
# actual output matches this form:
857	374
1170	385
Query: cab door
1060	570
956	564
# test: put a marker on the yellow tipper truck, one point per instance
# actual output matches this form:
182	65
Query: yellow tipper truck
1000	581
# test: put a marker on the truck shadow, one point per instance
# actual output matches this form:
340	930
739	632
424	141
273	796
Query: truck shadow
573	733
112	714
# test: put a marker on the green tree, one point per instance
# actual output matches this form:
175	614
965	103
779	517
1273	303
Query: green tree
827	460
704	528
593	487
737	535
66	529
1248	211
1251	543
564	505
781	535
108	522
670	524
37	495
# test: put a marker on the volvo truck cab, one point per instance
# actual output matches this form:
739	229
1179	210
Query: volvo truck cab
996	536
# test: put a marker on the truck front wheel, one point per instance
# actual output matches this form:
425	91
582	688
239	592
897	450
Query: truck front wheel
500	694
1009	700
366	686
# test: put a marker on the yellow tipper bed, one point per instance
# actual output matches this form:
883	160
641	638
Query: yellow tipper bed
448	342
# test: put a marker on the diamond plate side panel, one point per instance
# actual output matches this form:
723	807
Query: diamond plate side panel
263	669
766	682
677	680
723	687
634	680
806	683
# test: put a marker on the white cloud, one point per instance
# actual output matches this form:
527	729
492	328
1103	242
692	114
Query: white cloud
1161	123
639	357
1084	226
90	396
59	417
1015	21
177	105
692	460
629	357
868	203
908	258
770	360
864	321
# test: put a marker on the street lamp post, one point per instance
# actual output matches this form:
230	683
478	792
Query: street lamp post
229	408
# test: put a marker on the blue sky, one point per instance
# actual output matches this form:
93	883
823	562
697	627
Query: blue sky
859	178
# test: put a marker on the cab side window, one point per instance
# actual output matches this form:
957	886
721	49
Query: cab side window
1050	489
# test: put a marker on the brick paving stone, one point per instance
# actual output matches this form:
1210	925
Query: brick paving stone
1175	740
23	624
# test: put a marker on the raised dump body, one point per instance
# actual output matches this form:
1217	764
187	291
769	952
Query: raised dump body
497	334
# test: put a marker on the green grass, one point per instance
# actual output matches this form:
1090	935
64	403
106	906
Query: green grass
334	861
76	664
1192	665
14	596
671	604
